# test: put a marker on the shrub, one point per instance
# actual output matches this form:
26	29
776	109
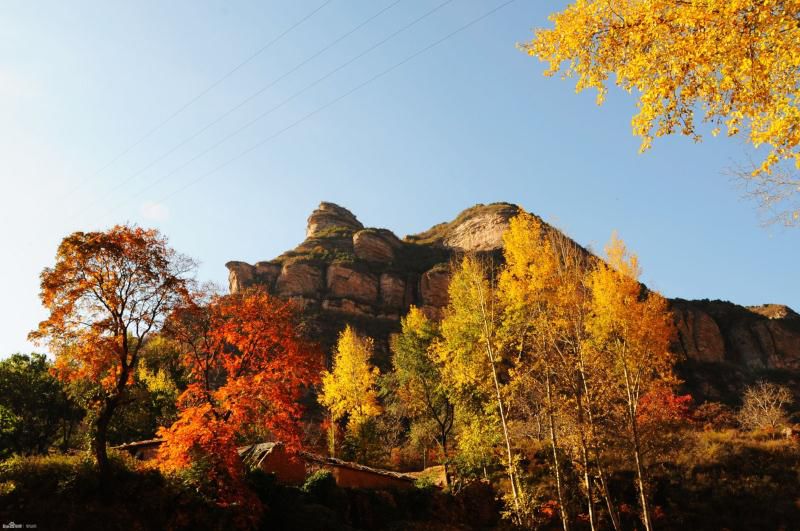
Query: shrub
765	406
320	485
67	492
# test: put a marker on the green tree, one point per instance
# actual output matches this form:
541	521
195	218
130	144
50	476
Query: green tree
151	401
421	388
38	413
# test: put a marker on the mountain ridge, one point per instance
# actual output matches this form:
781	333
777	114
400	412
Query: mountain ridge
345	273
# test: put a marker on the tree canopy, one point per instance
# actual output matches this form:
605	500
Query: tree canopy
734	64
107	293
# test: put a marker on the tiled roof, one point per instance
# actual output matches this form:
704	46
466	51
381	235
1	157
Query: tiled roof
252	455
332	461
138	444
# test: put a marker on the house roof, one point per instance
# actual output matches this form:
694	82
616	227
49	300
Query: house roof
254	454
138	444
333	461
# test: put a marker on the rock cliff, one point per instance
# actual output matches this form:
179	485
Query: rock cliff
346	273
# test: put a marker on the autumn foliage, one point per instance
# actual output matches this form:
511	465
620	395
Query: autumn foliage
248	367
349	389
732	63
107	294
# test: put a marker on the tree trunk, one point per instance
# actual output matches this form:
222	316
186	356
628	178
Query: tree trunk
490	354
637	451
100	438
587	479
606	494
556	466
444	457
612	510
510	455
648	525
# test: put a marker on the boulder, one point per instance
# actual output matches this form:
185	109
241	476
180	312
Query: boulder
347	306
299	279
746	346
267	274
329	216
433	287
346	282
698	334
393	292
240	276
480	232
375	245
786	343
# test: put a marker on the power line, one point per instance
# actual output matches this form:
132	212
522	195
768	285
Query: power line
286	101
208	89
239	105
336	100
339	98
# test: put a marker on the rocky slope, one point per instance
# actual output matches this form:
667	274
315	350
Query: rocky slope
346	273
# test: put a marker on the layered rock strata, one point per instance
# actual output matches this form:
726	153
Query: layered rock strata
345	273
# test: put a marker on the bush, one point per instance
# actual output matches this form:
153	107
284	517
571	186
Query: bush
67	492
734	481
320	485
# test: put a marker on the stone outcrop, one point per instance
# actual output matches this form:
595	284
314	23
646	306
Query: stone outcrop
477	229
299	279
395	294
376	245
330	217
699	337
433	287
345	273
347	282
757	338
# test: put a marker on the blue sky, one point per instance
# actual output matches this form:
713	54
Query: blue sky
472	120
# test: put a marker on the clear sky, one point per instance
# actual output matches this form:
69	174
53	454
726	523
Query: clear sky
470	120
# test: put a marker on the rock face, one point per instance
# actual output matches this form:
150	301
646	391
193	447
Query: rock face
299	279
754	338
477	229
348	282
376	245
330	216
344	273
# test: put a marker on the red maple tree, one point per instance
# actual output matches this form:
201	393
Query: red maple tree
248	365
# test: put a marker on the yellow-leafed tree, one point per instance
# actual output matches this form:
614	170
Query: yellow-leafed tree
545	298
470	358
631	331
349	390
736	63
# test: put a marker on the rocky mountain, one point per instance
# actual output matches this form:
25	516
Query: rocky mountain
346	273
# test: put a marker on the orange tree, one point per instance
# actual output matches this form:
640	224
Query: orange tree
631	330
248	367
107	293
